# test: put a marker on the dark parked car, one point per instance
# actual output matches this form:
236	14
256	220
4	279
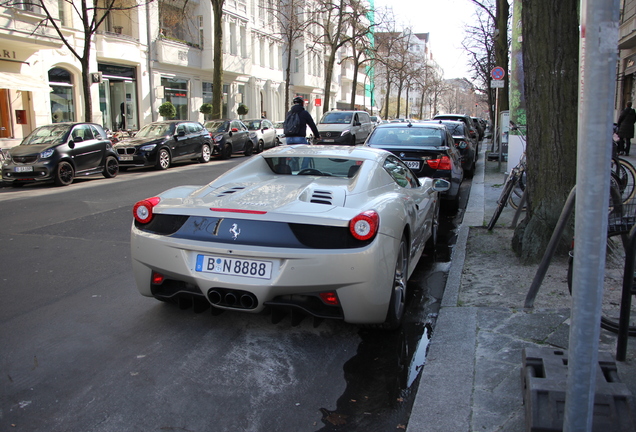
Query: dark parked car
466	119
428	149
466	146
262	133
159	144
229	137
60	152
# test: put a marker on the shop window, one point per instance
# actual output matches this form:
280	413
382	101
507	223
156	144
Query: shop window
176	91
62	100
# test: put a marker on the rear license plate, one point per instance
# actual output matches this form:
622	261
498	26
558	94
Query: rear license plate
327	140
125	158
234	266
415	165
23	169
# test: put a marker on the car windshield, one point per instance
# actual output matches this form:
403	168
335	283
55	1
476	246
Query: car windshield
217	126
336	118
318	166
52	134
155	130
406	136
253	125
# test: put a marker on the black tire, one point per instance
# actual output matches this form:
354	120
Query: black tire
277	142
471	172
111	168
163	159
431	243
260	146
612	283
517	193
64	174
627	175
206	153
397	304
226	151
249	148
503	200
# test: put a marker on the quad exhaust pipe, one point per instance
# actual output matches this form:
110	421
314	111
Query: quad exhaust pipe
232	298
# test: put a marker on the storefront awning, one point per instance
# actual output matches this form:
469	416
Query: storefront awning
16	81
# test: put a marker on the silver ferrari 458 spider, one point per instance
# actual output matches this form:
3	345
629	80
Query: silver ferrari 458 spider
329	231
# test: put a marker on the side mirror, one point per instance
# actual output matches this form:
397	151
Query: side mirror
71	144
181	133
441	185
234	130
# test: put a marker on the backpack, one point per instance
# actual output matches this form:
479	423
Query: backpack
292	124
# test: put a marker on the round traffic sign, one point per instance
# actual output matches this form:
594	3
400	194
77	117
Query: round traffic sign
498	73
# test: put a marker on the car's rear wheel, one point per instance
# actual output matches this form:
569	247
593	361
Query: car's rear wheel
277	142
163	159
64	174
111	168
205	154
226	151
397	303
249	148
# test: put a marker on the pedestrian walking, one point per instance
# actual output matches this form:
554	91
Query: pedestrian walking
296	122
625	123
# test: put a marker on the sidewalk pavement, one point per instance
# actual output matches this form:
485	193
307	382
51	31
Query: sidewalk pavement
471	380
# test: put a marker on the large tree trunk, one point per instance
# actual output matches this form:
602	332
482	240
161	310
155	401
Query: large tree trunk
550	62
217	60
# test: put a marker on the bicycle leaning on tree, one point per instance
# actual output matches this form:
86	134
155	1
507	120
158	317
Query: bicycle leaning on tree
514	186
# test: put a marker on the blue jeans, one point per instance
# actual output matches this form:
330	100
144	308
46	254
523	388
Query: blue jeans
296	140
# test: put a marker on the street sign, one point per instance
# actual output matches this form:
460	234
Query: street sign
497	84
498	73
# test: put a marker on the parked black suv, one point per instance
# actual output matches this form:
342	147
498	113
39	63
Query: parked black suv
160	143
60	152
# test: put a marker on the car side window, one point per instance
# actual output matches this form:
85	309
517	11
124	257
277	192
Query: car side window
97	133
83	132
402	175
181	128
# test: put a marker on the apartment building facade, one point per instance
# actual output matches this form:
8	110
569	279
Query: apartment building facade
144	54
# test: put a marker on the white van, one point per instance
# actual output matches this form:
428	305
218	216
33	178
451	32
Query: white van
344	127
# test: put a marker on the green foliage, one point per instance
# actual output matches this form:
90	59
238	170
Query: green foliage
167	110
206	108
242	109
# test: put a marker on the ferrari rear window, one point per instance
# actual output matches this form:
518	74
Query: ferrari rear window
317	166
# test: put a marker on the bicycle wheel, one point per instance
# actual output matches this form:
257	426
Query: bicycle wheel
503	200
612	283
627	175
517	192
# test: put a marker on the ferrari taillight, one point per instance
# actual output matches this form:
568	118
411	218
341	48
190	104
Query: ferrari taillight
365	225
443	163
143	209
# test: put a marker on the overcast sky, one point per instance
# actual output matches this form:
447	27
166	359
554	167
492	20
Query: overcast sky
444	20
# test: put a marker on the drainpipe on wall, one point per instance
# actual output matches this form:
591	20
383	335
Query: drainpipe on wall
151	75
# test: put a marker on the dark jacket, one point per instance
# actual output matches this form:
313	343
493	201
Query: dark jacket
626	123
305	120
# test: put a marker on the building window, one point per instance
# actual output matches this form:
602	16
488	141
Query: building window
272	65
243	41
233	45
29	6
176	91
62	101
262	52
296	62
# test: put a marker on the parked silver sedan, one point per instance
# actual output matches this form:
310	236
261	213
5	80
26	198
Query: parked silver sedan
329	231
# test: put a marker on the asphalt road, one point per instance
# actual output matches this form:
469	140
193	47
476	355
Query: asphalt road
82	350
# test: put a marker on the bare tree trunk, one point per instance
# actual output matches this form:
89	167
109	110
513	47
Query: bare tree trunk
550	63
217	61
